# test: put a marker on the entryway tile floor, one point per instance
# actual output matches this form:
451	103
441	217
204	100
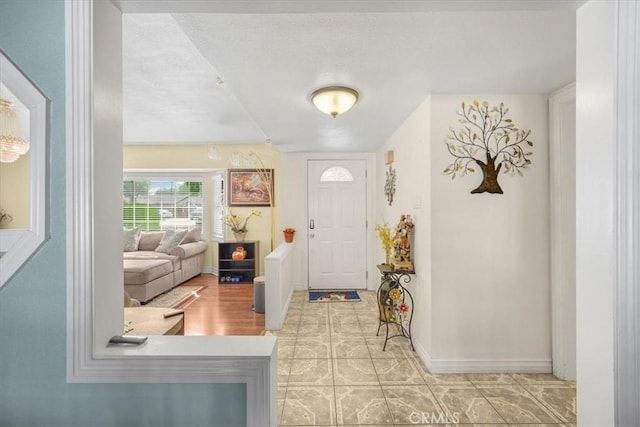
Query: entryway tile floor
332	372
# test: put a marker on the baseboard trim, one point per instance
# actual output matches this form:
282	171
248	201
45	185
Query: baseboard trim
480	366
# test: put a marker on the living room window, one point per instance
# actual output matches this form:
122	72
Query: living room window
161	203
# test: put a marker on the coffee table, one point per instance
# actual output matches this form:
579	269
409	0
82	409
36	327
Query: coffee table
151	321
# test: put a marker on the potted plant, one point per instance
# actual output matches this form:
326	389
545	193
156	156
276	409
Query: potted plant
237	224
288	234
384	235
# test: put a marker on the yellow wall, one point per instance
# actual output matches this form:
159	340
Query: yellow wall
14	192
185	157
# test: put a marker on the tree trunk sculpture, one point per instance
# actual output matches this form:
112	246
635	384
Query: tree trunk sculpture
489	140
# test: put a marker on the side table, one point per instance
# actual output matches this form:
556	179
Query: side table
395	303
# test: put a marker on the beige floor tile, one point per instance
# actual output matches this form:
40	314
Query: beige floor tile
466	404
346	330
361	405
491	379
354	372
284	368
317	329
538	425
289	329
343	307
285	348
526	379
312	348
314	317
516	405
307	372
343	348
340	320
309	406
396	348
282	391
413	404
370	328
559	398
397	371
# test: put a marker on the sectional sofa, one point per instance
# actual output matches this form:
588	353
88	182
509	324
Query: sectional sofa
156	261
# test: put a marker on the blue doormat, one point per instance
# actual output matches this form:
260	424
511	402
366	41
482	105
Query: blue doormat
331	296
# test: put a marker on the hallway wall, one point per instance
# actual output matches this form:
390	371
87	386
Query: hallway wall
482	260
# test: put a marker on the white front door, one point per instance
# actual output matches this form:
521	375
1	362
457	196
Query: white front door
337	224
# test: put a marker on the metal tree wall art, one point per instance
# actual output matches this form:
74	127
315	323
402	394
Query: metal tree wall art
488	139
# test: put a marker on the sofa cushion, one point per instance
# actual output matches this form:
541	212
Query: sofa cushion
149	240
146	255
131	239
142	271
170	240
193	235
187	250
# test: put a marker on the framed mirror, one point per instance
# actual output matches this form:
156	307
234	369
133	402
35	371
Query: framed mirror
24	113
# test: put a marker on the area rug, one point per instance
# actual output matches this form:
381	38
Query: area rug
331	296
175	297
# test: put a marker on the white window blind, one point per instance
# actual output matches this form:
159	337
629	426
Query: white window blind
219	202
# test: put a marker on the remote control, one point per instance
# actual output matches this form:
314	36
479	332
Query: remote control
128	339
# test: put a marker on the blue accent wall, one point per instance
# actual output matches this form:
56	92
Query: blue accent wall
33	387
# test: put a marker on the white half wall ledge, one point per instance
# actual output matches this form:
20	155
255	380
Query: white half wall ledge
278	268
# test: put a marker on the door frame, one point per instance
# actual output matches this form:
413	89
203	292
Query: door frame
563	356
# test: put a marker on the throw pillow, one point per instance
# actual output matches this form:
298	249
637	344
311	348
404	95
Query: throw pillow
170	240
192	235
131	239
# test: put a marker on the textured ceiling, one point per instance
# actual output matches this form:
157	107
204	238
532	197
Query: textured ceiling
271	62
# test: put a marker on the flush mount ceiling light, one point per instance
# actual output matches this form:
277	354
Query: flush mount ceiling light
334	100
12	144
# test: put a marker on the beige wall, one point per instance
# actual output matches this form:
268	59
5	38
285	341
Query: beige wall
14	192
195	157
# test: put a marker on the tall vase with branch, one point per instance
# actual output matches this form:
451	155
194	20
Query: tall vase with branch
255	161
5	218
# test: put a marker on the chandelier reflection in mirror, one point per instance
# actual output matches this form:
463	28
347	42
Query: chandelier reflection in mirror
12	143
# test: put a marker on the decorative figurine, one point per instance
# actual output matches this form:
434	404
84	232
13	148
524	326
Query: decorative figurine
402	244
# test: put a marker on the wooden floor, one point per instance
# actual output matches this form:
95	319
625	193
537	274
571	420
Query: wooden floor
221	309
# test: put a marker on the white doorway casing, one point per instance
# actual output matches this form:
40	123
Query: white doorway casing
90	98
562	168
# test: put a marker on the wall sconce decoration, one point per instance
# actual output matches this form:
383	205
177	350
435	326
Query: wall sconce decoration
490	140
388	157
12	143
390	184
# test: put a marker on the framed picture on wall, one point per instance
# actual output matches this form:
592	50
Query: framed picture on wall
250	187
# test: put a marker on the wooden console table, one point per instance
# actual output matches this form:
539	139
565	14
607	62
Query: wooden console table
395	303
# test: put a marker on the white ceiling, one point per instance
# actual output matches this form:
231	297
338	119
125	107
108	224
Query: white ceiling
270	61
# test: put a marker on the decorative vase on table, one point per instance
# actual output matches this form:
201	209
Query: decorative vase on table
288	237
239	254
240	236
